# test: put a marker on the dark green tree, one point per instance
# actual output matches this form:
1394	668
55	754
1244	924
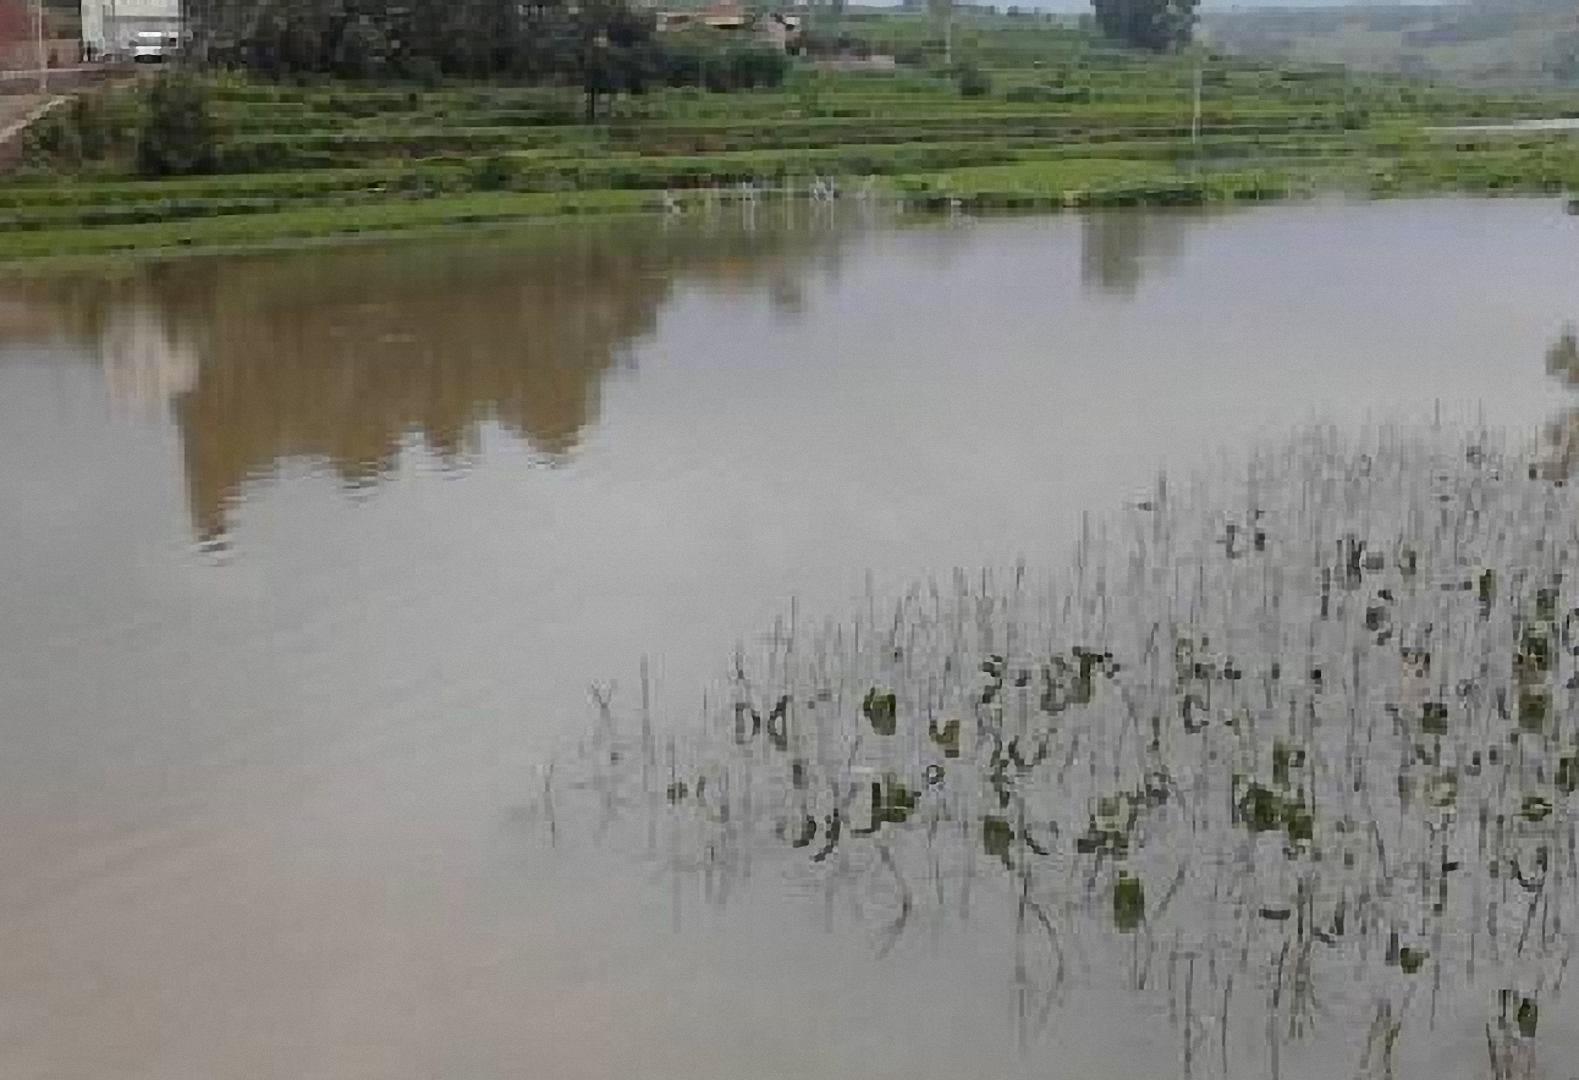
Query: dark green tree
1156	25
600	47
971	80
176	135
606	47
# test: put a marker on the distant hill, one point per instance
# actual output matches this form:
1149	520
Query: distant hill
1488	43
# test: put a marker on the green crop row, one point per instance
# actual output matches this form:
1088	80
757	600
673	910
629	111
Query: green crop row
1550	169
380	219
297	185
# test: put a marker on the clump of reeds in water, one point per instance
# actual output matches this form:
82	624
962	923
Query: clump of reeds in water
1298	741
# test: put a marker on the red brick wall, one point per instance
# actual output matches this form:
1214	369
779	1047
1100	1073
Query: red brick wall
16	21
19	41
16	28
23	55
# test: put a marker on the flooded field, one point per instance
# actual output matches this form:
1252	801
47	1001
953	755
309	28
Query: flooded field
1133	645
1291	766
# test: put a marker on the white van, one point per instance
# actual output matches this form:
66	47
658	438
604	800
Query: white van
150	47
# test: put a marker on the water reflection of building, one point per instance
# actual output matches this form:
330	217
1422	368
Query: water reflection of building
144	366
342	356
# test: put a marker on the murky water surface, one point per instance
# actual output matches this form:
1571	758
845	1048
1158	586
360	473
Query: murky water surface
310	559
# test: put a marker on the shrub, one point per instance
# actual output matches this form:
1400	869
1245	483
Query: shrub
93	127
971	80
722	70
493	173
1077	95
176	136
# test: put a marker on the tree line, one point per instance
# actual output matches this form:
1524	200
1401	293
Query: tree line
603	47
1155	25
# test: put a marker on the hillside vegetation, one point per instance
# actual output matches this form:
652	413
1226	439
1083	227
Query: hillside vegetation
1486	43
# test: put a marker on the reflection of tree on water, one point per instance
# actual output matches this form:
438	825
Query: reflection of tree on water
1119	246
1293	754
342	355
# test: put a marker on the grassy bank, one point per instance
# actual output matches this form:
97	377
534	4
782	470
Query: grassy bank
1064	120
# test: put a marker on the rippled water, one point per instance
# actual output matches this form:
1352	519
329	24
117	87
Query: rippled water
312	557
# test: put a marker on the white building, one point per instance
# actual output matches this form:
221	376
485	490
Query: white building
108	26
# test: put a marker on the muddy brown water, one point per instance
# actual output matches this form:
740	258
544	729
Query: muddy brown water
307	561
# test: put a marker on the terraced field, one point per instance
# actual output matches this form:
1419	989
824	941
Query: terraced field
1067	121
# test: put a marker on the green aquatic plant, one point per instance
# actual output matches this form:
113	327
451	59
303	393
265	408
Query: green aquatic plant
1268	736
1527	1018
1260	808
996	836
880	710
1129	904
946	738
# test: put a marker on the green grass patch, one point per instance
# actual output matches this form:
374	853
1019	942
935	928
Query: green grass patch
380	219
1087	183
